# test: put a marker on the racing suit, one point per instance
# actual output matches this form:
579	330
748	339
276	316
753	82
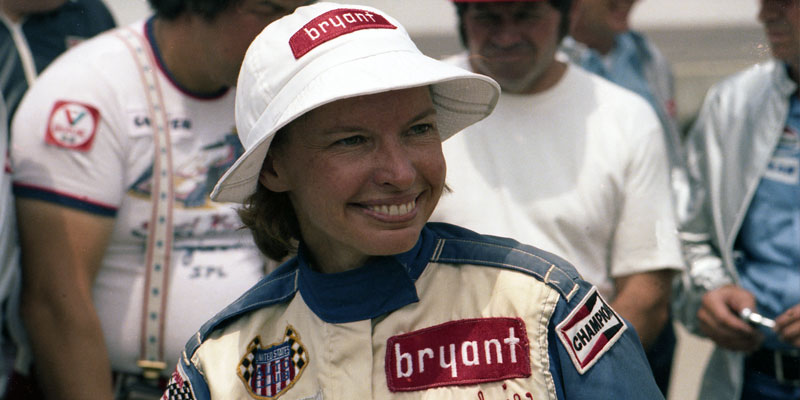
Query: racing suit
459	316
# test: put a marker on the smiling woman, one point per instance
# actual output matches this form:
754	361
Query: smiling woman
363	175
342	119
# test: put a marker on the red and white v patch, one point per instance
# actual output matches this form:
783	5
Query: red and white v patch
72	125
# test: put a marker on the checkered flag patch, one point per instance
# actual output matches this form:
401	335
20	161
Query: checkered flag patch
246	366
299	354
268	371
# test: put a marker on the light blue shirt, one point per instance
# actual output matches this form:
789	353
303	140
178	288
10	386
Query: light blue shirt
767	250
622	65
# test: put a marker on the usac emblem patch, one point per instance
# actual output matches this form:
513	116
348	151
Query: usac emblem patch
268	371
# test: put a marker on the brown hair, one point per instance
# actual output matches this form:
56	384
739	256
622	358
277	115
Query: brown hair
271	218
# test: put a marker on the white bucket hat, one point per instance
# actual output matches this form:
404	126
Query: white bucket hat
326	52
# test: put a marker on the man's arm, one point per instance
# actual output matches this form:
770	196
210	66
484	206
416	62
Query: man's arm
643	299
707	300
62	251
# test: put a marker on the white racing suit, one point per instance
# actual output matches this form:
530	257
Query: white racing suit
459	316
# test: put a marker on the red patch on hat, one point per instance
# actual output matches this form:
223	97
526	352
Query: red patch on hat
72	125
463	352
333	24
590	330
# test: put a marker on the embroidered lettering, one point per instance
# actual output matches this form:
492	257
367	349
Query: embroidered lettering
400	358
269	371
590	330
333	24
457	353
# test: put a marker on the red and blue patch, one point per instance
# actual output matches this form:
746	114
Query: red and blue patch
72	125
269	371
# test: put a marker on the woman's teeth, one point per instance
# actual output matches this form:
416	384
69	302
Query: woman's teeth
394	209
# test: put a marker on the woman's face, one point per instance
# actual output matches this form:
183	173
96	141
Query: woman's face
363	174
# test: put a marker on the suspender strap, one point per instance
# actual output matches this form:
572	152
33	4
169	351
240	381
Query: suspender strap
159	238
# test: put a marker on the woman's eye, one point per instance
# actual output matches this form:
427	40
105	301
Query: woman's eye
422	129
350	141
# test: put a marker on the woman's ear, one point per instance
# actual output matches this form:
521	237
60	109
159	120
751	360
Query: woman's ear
270	176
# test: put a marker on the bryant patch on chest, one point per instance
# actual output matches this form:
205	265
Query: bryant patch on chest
462	352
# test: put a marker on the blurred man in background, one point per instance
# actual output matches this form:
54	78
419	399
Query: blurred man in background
115	149
602	41
569	162
742	241
32	34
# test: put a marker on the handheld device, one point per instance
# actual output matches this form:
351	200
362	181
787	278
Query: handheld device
756	319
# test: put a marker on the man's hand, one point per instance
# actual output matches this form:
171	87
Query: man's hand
719	319
787	325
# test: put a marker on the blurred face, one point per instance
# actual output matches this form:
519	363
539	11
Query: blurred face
363	174
781	19
230	33
513	42
596	22
18	8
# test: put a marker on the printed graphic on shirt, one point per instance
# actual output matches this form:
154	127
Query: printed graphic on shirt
72	125
784	166
790	139
269	371
179	387
462	352
196	176
333	24
590	330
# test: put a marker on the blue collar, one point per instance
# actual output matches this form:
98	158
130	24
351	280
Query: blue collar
382	285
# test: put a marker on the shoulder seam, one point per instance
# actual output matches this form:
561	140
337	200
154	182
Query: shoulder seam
549	277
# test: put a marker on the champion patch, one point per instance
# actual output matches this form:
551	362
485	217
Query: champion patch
460	352
590	330
269	371
72	125
333	24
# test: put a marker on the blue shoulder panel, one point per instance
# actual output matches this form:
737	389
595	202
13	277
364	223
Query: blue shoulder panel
277	287
462	246
453	245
